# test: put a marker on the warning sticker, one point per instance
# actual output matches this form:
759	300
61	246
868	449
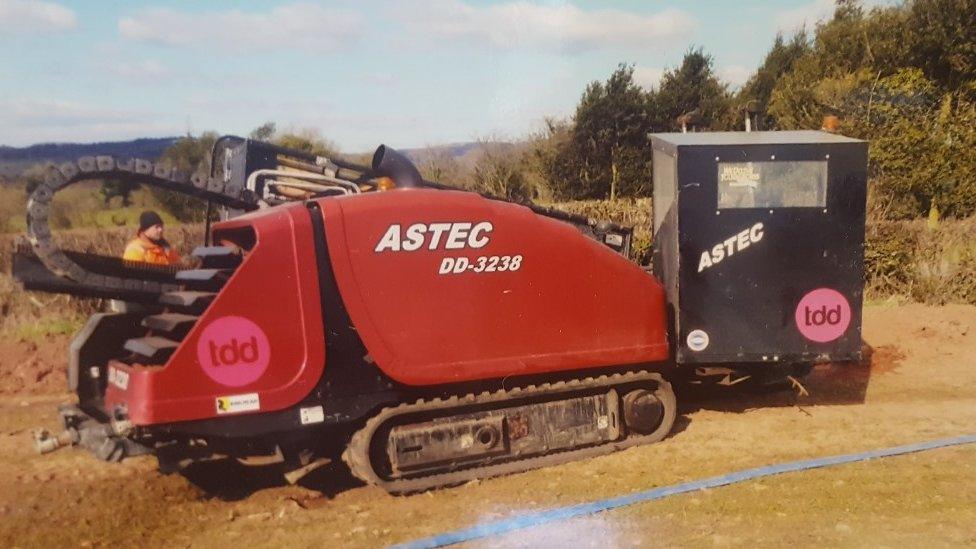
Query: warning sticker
235	404
119	378
314	414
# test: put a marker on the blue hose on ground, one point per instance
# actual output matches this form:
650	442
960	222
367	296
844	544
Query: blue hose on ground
563	513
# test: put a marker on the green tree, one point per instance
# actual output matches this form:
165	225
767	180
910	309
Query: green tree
901	77
440	166
801	99
112	188
921	144
502	170
546	160
608	146
693	87
942	38
780	60
264	132
847	50
34	176
188	154
308	140
840	45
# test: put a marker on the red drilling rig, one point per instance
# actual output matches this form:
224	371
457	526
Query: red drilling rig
430	336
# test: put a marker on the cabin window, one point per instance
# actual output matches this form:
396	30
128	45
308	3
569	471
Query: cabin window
772	184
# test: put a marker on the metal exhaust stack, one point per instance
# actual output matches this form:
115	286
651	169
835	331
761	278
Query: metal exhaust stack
751	111
390	163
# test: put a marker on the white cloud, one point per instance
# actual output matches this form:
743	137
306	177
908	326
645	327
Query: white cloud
35	16
560	28
648	77
27	121
300	26
734	75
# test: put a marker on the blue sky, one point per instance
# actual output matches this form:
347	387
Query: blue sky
399	72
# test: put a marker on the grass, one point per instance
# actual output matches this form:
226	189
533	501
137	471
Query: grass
79	206
33	316
39	331
913	500
117	217
12	212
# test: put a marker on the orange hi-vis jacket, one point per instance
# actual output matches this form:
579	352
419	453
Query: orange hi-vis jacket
143	250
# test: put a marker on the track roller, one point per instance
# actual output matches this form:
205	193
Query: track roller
442	442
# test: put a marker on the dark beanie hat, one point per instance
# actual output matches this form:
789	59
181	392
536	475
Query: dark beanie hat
149	218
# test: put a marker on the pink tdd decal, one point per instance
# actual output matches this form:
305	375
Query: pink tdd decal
233	351
823	315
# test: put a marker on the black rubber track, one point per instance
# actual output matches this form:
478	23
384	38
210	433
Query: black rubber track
359	458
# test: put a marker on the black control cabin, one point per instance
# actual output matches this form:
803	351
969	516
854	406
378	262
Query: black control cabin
759	241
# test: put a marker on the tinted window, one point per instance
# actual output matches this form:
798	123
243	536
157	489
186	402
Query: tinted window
772	184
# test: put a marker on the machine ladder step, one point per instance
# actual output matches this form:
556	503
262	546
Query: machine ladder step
218	256
155	349
204	279
174	324
187	301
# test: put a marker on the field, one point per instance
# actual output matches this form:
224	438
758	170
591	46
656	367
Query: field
916	386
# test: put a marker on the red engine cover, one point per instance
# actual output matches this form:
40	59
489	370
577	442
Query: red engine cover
447	286
442	287
258	347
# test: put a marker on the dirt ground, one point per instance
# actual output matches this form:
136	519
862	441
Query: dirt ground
918	385
33	367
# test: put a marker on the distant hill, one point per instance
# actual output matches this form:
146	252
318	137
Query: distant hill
466	154
453	150
14	160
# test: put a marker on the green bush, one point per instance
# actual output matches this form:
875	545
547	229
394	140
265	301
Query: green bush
920	263
629	212
888	254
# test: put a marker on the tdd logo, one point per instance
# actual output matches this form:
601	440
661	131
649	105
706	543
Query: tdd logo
823	315
233	351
